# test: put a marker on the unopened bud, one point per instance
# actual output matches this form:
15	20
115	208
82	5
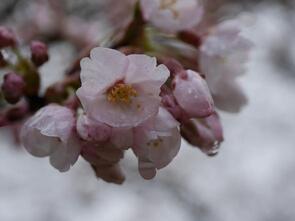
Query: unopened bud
7	37
92	131
206	133
13	87
173	65
192	94
39	52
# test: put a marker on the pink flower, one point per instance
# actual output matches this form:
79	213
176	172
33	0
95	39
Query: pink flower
192	94
119	90
172	15
156	143
51	132
224	54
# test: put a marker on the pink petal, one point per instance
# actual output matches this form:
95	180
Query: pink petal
122	115
193	95
103	68
146	169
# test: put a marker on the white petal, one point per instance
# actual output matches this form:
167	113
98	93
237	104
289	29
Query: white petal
122	115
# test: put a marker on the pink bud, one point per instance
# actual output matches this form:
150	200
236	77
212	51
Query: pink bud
39	52
173	65
90	130
7	37
204	133
192	94
13	87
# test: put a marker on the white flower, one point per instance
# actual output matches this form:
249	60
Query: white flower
172	15
224	54
120	90
156	143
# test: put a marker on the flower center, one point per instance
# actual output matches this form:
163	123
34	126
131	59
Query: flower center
170	5
121	93
155	143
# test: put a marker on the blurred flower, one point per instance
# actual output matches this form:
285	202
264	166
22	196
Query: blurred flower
39	53
224	54
119	90
51	132
205	133
156	143
192	94
13	87
172	15
7	37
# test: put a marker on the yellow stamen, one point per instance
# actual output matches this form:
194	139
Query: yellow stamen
155	143
121	93
169	4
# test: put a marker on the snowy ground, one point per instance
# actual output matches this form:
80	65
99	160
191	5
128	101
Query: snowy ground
253	177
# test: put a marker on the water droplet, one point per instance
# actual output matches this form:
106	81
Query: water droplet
213	151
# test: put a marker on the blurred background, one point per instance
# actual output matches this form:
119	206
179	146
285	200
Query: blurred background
252	178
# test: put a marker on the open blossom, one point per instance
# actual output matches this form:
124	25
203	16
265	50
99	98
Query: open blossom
120	90
192	94
224	54
156	143
172	15
51	132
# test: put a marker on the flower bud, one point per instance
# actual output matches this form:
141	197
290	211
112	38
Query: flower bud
92	131
192	94
173	65
7	37
39	52
204	133
13	87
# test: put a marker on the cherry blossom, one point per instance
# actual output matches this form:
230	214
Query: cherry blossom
224	54
119	90
156	143
204	133
192	94
50	132
92	131
172	15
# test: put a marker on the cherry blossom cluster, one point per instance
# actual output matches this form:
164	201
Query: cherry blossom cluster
163	77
